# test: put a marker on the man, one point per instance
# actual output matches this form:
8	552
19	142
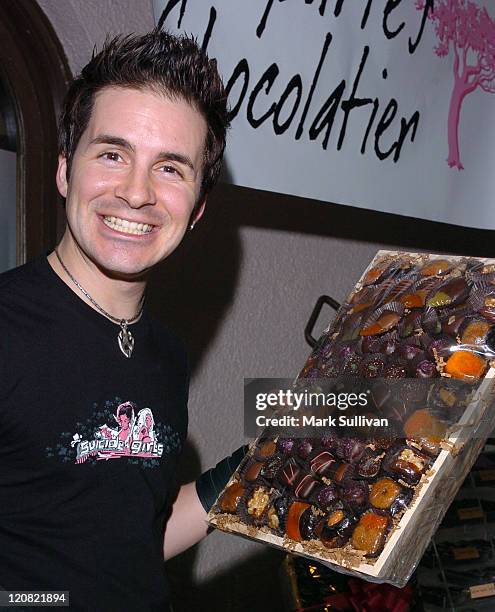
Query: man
142	135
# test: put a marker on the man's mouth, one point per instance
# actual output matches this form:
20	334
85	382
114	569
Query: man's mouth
127	227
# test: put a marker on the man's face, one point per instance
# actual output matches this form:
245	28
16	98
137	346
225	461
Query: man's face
135	178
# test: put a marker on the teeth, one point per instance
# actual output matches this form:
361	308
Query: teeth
128	227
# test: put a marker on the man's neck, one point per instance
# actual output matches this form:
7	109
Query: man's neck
118	297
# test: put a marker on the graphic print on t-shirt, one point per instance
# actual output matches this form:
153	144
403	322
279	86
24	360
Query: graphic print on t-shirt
119	430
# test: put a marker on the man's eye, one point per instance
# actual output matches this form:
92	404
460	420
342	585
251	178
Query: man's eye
170	170
111	156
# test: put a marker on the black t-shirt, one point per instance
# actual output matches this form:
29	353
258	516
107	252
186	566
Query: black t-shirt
89	442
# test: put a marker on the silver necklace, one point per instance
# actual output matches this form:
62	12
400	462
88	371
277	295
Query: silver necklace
125	338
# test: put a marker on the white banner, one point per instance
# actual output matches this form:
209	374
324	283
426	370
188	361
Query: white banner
380	104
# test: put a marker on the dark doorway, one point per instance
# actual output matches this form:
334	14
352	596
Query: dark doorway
34	75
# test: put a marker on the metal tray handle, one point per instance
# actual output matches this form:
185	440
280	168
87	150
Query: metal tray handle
308	330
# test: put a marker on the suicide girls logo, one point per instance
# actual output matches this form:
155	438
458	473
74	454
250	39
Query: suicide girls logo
121	430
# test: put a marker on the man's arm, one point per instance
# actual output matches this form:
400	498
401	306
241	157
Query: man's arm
187	523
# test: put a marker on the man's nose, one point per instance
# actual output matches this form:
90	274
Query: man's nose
136	188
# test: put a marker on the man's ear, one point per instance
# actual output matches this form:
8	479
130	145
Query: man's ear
199	212
61	176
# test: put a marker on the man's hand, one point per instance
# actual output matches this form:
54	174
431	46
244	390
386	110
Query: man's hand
187	523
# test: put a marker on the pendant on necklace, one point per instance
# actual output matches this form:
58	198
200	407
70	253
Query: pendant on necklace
126	340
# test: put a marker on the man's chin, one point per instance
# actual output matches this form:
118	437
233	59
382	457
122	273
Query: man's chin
131	273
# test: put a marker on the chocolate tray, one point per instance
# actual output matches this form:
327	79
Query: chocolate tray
412	529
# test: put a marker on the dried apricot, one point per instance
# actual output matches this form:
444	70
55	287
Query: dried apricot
383	493
369	534
231	497
465	365
295	511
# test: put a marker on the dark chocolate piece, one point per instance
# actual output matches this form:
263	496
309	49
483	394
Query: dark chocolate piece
372	366
277	514
305	486
286	445
253	471
355	493
271	467
311	523
407	464
350	449
304	448
370	463
337	526
322	463
289	473
448	294
327	495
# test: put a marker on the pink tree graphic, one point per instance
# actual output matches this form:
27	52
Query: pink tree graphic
467	29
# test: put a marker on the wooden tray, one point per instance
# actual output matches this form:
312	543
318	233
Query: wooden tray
433	495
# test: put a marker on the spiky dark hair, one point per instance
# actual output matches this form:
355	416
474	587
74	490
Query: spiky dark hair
160	61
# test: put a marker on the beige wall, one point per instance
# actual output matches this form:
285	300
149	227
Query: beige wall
240	290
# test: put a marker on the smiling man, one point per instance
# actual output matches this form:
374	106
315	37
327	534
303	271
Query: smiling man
83	504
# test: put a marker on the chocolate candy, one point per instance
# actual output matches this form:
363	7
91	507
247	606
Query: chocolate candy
343	472
355	493
296	509
337	526
452	323
266	449
372	366
383	493
475	332
290	473
436	267
331	368
286	445
488	308
395	370
410	324
305	486
466	366
271	467
401	502
388	347
440	347
369	534
424	427
257	502
409	351
448	294
277	514
304	448
370	463
414	300
322	463
350	449
327	495
424	368
350	366
371	344
253	471
387	321
231	498
373	275
329	440
311	523
408	465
